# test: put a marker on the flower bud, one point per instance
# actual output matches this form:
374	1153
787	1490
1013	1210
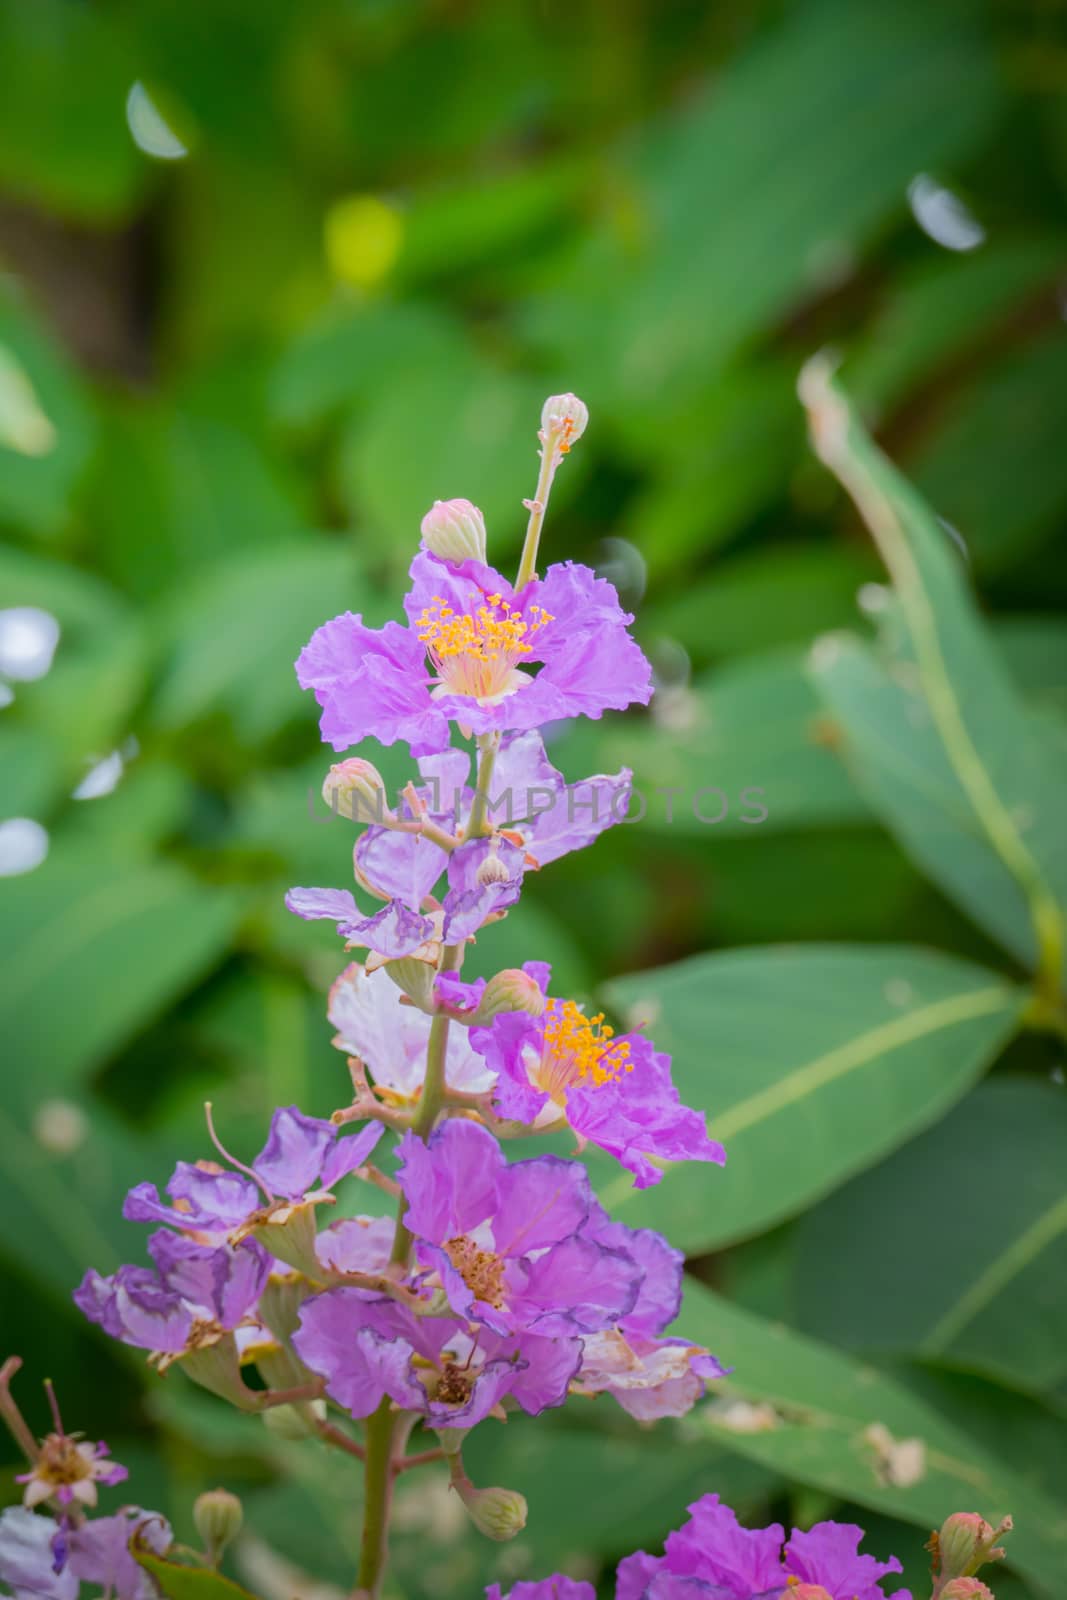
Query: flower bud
510	990
218	1516
965	1542
454	530
296	1421
563	419
964	1589
498	1513
356	789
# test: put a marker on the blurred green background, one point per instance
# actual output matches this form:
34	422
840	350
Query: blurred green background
273	278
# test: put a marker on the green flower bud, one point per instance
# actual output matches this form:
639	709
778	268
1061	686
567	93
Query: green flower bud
296	1421
510	990
966	1541
455	531
498	1513
218	1516
356	789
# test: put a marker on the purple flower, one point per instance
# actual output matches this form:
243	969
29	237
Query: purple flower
302	1159
194	1293
356	1244
507	1240
557	1587
541	816
27	1559
390	1038
99	1551
713	1555
368	1347
68	1470
614	1092
392	932
464	658
648	1376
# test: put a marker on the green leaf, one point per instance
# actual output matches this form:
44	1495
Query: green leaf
824	1401
994	467
745	739
38	474
65	72
989	1291
810	1062
942	743
98	948
180	1582
236	630
937	311
885	94
763	599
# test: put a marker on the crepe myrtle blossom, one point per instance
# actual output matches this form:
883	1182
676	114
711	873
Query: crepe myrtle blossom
369	1347
49	1560
67	1467
649	1376
192	1295
507	1240
541	817
713	1555
465	655
557	1587
390	1038
614	1092
299	1165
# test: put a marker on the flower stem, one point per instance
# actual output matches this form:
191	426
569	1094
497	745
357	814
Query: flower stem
550	460
378	1493
380	1440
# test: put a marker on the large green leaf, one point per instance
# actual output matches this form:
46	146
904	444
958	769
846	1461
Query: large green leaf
97	949
824	1401
743	750
811	1062
993	467
989	1292
237	629
936	732
731	238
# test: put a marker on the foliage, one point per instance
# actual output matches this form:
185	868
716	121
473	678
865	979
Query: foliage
396	228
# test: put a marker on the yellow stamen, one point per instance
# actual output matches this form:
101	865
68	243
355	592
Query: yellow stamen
578	1050
476	651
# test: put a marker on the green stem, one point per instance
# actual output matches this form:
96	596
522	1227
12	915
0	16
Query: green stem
380	1438
550	460
378	1493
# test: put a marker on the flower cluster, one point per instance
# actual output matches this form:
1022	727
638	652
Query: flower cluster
49	1557
499	1283
713	1556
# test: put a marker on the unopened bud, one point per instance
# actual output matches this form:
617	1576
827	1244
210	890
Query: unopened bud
965	1589
966	1541
295	1421
510	990
455	531
218	1516
498	1513
563	418
356	789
